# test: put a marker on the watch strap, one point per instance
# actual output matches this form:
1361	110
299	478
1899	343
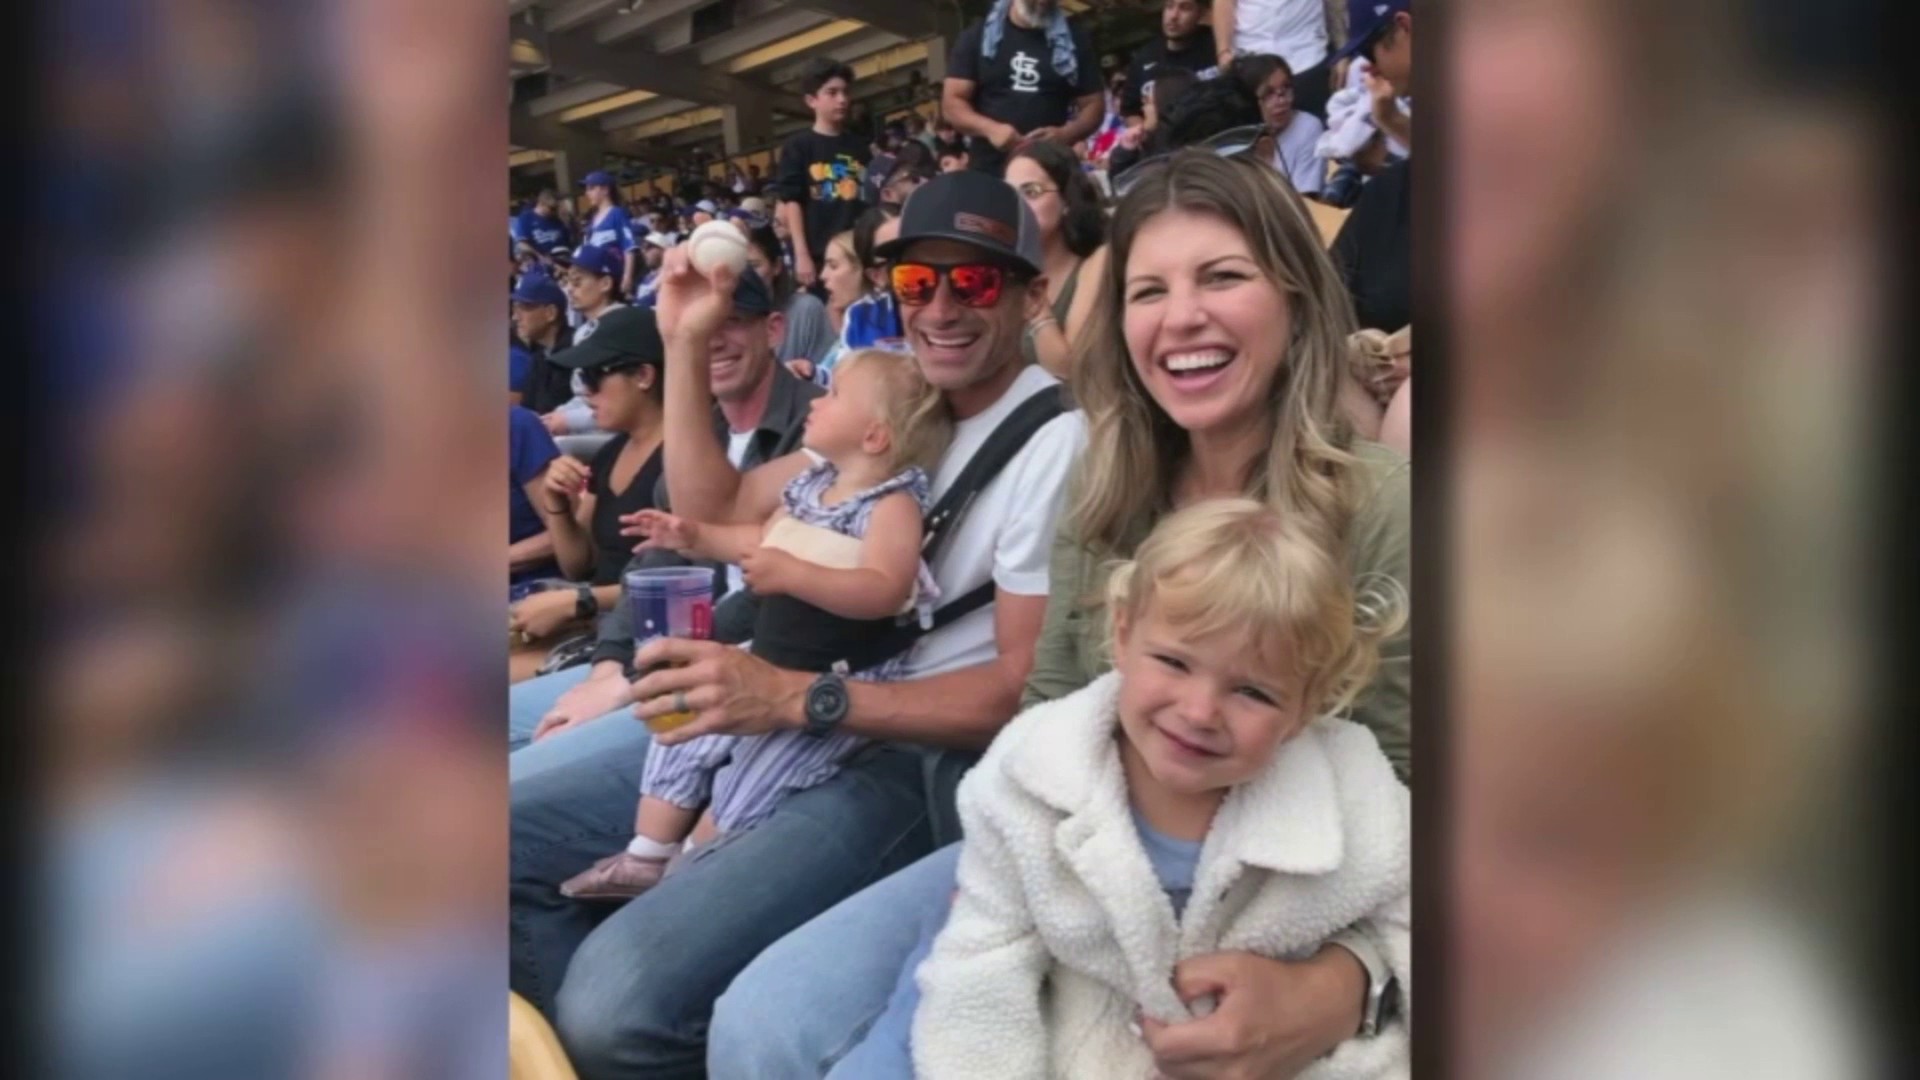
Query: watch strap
1380	978
585	604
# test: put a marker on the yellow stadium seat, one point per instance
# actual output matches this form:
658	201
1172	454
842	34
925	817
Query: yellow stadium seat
533	1050
1329	218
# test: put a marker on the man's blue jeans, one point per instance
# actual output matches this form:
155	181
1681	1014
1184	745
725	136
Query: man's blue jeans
631	988
528	701
836	997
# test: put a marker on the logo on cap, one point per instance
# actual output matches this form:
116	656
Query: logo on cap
985	226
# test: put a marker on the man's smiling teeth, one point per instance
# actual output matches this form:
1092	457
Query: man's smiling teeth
950	341
1198	361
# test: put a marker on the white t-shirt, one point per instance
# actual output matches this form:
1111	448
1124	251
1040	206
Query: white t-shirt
1007	536
737	443
1293	30
1296	155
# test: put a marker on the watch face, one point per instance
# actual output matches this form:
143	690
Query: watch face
827	700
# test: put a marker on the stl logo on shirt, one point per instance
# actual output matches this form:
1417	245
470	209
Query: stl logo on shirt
1026	73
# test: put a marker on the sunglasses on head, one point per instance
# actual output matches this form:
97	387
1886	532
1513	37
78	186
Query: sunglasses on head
591	378
975	285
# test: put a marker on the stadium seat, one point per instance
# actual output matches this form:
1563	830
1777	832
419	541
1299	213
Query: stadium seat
533	1050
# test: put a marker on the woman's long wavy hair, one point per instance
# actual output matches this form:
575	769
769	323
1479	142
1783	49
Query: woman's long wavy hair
1135	450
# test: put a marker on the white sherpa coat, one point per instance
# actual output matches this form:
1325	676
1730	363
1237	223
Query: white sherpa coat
1060	931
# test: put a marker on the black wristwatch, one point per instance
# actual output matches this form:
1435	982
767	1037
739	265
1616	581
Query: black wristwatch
826	705
585	605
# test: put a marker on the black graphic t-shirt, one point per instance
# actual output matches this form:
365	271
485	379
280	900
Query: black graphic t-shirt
1198	56
827	174
1018	85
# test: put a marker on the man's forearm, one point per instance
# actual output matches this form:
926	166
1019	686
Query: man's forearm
796	220
701	482
1223	26
963	709
1084	123
959	112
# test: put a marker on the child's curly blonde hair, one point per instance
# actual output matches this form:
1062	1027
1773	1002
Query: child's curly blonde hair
912	409
1236	567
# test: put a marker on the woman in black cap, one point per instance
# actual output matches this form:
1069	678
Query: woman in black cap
620	367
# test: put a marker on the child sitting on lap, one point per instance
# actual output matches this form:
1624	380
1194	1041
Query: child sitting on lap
832	568
1202	797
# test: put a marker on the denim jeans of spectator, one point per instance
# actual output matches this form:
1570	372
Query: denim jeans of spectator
630	989
837	995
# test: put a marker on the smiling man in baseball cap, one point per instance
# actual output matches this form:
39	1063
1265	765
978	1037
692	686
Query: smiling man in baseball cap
966	271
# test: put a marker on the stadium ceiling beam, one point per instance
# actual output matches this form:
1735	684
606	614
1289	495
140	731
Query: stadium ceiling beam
568	15
621	27
534	133
581	57
908	20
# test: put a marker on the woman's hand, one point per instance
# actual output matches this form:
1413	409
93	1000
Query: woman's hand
554	423
566	478
1271	1018
802	367
598	696
661	530
539	615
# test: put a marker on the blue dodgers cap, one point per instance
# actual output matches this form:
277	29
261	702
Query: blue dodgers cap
539	289
1365	20
598	259
597	179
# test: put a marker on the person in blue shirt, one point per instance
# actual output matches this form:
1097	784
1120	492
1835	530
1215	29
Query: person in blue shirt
530	550
608	226
519	366
539	229
654	250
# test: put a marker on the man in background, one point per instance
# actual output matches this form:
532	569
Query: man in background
1182	46
1025	73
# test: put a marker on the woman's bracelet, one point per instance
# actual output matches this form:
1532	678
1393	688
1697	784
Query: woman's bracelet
562	512
1040	323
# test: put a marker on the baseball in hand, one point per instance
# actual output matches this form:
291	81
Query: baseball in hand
715	244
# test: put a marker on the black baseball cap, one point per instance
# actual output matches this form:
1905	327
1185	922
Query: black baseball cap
750	294
973	208
625	333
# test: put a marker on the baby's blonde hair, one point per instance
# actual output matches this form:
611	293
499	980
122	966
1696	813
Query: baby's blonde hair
914	411
1237	567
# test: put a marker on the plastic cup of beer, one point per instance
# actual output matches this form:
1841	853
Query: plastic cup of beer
674	601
